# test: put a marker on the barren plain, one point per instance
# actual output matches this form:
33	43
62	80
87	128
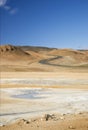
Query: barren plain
43	88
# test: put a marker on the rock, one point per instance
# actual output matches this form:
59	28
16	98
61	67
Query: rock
23	121
71	127
80	113
41	119
2	125
49	117
63	114
37	125
33	120
56	119
27	122
62	118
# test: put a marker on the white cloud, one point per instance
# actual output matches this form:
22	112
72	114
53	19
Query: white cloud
2	2
13	11
7	7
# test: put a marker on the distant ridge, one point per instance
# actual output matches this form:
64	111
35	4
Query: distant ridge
10	49
36	48
31	58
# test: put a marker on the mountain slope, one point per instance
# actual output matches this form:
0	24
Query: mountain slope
13	53
67	57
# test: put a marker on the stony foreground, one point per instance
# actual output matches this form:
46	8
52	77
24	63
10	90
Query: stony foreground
52	122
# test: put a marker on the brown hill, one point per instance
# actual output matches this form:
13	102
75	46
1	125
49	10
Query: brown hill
13	53
16	58
68	57
43	50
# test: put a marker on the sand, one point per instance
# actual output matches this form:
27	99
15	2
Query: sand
76	89
44	79
66	109
66	122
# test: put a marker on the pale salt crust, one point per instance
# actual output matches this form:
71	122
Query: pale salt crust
47	81
32	102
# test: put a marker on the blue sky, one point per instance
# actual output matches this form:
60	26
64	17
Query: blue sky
51	23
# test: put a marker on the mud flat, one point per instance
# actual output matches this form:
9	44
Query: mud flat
45	82
43	101
44	79
28	103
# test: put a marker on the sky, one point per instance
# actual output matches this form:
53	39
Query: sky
50	23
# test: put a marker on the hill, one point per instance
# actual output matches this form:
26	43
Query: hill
68	57
37	49
29	58
13	53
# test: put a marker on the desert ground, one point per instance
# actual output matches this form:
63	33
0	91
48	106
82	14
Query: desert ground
43	88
